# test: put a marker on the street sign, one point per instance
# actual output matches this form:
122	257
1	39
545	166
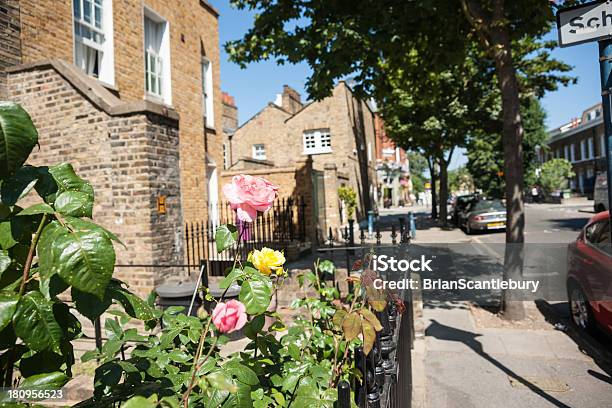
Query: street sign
584	23
593	22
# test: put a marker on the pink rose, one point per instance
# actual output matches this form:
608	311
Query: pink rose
229	317
248	194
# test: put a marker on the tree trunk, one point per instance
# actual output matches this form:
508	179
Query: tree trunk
443	191
434	195
513	168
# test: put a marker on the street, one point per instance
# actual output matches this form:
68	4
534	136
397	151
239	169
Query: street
541	361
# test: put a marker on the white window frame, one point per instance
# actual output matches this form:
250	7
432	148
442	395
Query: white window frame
566	155
317	141
572	153
105	48
602	145
208	108
583	148
591	146
259	151
161	58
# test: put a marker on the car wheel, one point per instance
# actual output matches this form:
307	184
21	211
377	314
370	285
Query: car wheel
599	208
580	309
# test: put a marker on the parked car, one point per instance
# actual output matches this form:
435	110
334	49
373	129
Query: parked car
483	215
589	275
600	193
458	205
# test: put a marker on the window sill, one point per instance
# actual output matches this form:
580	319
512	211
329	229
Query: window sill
210	129
157	99
311	152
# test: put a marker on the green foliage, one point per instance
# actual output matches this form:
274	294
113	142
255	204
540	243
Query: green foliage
418	168
349	197
485	151
46	249
460	179
225	237
554	175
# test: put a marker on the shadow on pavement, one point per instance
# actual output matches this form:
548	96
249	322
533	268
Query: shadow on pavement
572	224
597	346
447	333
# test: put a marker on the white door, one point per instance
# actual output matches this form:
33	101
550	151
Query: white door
213	195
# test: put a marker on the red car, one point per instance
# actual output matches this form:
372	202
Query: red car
589	275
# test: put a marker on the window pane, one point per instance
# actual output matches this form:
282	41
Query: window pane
76	9
98	14
87	10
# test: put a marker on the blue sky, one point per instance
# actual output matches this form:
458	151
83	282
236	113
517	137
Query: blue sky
258	84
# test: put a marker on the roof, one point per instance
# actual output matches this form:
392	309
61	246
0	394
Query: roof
557	135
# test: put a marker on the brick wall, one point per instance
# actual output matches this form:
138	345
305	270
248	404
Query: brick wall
10	50
47	33
130	159
351	125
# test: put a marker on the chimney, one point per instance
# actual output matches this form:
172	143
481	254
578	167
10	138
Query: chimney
291	100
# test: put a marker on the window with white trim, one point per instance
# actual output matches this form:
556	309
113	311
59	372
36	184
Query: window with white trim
207	93
93	38
259	151
157	56
591	147
572	153
583	148
602	145
317	141
566	152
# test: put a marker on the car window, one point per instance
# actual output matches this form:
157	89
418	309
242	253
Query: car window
598	234
488	205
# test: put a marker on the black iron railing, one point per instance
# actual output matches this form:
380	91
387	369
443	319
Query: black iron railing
386	380
283	224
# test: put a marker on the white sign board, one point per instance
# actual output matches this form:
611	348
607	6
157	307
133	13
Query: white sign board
584	23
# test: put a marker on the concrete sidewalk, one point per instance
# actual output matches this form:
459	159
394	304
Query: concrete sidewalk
466	366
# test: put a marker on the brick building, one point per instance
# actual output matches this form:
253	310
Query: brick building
336	133
582	143
128	92
392	168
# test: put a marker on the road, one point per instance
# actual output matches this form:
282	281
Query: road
547	224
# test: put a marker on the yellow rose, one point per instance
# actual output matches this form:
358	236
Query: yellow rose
267	260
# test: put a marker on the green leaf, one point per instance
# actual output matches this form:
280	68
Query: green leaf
84	225
225	236
221	381
18	136
75	204
140	402
8	304
42	362
89	305
132	304
46	381
19	185
351	326
67	180
5	261
85	259
40	208
46	187
253	327
256	295
231	278
35	323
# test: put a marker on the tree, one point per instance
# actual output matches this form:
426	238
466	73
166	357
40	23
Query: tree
554	175
485	151
460	179
339	39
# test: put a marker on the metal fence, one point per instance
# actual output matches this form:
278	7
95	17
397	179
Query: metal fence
284	223
387	369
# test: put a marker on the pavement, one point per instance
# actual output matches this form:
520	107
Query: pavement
466	366
462	360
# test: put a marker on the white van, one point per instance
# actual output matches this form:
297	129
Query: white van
600	193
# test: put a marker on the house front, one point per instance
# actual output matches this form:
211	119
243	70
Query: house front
128	92
335	136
